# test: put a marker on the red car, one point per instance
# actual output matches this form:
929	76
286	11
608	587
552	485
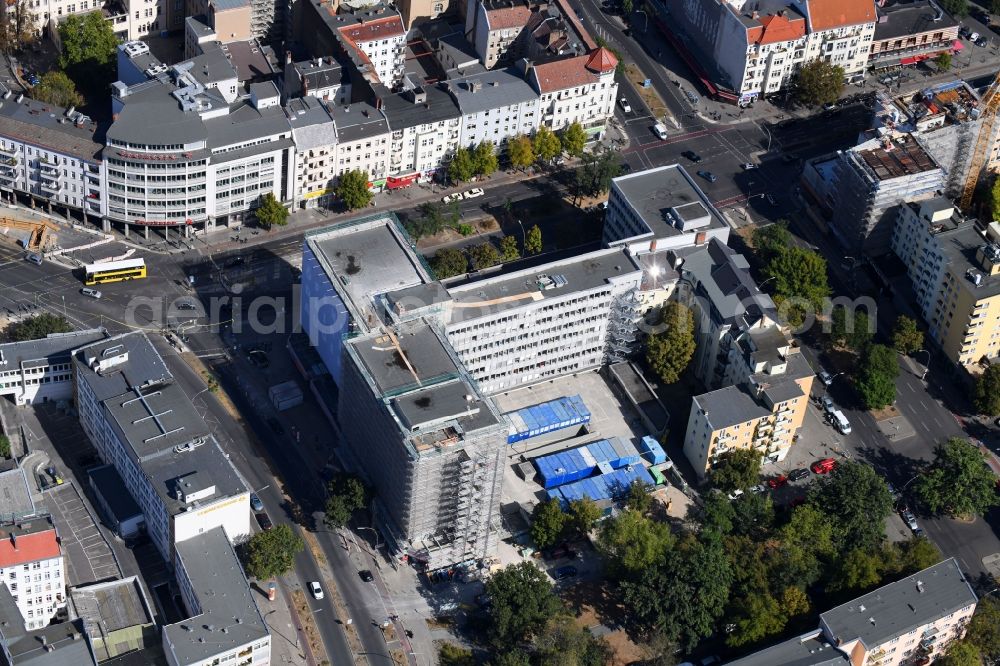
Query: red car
824	466
777	481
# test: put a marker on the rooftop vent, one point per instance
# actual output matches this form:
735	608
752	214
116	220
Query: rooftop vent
545	282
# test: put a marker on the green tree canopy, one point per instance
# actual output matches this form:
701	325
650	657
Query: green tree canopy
861	333
484	256
4	446
633	543
857	570
958	482
352	189
450	654
638	498
960	653
508	249
431	220
881	360
272	553
757	616
574	139
18	25
841	321
37	327
986	394
346	494
485	158
448	262
805	546
533	240
521	152
598	170
771	240
270	212
819	82
858	500
877	390
87	39
917	554
670	351
521	603
984	628
57	88
906	337
462	166
943	61
994	199
799	273
583	513
957	8
736	469
548	521
546	144
753	514
564	643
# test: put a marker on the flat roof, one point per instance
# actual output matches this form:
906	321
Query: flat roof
639	391
903	157
404	358
252	60
357	121
807	650
729	406
488	295
960	246
229	614
430	408
652	193
109	485
143	365
403	110
54	645
895	609
723	277
110	606
38	124
491	90
912	17
15	496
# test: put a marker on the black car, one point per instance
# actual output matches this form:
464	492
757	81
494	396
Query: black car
798	474
708	175
263	520
624	168
366	575
236	261
565	572
691	155
186	305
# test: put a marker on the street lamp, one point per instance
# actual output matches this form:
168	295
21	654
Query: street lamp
766	131
765	282
378	541
927	365
523	237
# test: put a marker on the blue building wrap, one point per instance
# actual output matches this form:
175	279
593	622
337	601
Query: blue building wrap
652	451
575	464
324	316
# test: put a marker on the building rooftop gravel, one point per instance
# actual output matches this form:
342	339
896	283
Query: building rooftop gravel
110	606
655	192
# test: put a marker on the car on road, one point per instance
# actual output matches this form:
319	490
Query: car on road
263	520
366	575
691	155
186	305
626	107
315	590
747	166
798	474
624	168
236	261
827	403
830	106
448	198
255	502
777	481
973	36
660	130
824	466
825	377
708	175
93	293
964	32
893	493
910	520
473	193
693	98
565	572
33	258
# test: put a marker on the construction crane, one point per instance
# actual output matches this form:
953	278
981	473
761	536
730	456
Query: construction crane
984	145
39	232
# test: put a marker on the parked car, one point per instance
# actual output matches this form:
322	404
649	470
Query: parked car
893	493
747	166
973	36
691	155
758	489
315	590
93	293
824	466
798	474
736	494
825	377
693	98
827	403
777	481
473	193
366	575
186	305
255	502
708	175
263	520
448	198
626	107
982	42
964	32
910	520
567	571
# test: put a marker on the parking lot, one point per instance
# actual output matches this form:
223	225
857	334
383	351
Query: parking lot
88	555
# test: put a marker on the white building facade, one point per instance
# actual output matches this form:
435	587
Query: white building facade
840	32
496	106
580	89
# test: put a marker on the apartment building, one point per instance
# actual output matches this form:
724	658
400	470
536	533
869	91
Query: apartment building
660	209
578	89
143	423
840	32
910	31
52	645
870	182
31	565
36	371
322	78
497	25
363	139
495	106
955	273
224	624
373	37
425	123
422	10
315	137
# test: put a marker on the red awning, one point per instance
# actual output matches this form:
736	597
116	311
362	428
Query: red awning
909	61
396	182
957	45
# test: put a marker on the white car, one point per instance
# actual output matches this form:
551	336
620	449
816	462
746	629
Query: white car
448	198
973	36
473	193
315	590
626	107
735	494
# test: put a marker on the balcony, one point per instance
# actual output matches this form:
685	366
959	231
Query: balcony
52	188
8	152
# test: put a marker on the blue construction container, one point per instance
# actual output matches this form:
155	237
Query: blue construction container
583	461
652	451
546	417
604	486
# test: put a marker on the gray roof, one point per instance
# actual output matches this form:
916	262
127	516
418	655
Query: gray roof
729	406
252	60
486	295
912	17
144	364
653	192
110	606
417	296
38	124
229	615
724	281
639	391
111	488
426	408
316	74
199	25
54	645
420	357
212	66
15	495
357	121
403	109
783	387
245	123
960	246
54	348
223	5
497	88
459	48
312	124
808	650
151	116
897	608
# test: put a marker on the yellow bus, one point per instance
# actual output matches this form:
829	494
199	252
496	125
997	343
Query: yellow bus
114	271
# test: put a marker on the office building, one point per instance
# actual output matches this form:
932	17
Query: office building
37	371
911	31
116	616
955	273
31	566
141	422
52	645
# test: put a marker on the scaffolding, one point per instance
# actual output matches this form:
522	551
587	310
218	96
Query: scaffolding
984	142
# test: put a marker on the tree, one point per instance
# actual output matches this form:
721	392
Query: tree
906	337
521	152
533	240
4	446
564	643
819	82
485	158
508	249
877	390
547	523
546	144
993	203
484	256
986	394
794	601
57	88
450	654
462	166
960	653
87	39
806	543
771	240
521	602
736	469
345	495
957	8
753	515
638	498
18	26
633	543
757	617
670	351
943	61
271	553
984	628
574	139
839	325
916	554
716	514
270	212
352	189
857	499
449	262
879	359
583	513
511	657
857	570
799	273
958	482
627	7
37	327
595	175
430	221
861	333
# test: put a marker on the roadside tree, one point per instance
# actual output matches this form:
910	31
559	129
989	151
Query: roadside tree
521	152
272	553
352	189
958	481
818	82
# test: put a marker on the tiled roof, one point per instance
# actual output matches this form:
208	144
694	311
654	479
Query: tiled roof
602	60
24	548
564	73
502	18
827	14
776	28
381	28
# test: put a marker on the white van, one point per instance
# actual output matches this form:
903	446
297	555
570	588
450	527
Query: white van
660	130
840	422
